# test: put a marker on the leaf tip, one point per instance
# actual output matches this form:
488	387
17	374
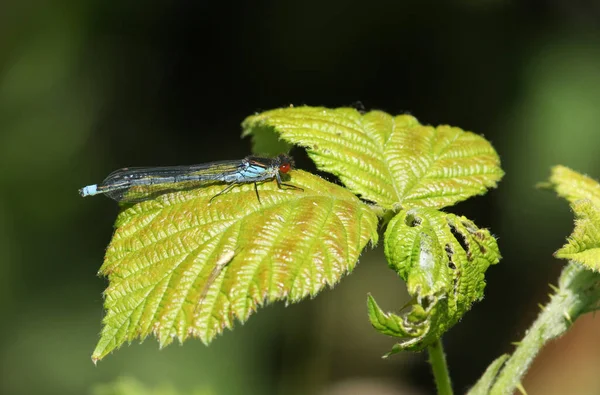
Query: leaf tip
165	340
102	349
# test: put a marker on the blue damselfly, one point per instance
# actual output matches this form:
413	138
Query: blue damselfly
137	184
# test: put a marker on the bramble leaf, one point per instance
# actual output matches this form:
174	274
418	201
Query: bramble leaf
181	265
443	258
574	186
583	244
393	161
583	193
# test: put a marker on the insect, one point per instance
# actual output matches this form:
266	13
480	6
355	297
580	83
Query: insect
136	184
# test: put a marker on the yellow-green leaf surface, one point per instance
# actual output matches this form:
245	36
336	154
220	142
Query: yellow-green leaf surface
391	160
574	186
583	193
181	265
443	259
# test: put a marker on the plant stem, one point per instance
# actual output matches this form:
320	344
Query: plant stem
437	359
578	293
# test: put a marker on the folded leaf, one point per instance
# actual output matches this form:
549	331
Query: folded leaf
182	265
443	258
393	161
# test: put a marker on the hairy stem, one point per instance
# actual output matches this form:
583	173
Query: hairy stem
437	359
578	292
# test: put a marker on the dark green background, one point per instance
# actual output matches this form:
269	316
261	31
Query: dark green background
87	87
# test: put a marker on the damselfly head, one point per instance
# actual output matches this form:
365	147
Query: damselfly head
285	163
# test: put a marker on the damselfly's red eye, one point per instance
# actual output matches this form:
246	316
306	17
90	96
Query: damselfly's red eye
284	168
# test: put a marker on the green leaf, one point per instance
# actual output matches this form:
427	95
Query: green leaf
583	193
484	384
393	161
181	265
443	258
574	186
583	245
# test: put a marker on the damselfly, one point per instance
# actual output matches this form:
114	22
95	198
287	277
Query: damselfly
137	184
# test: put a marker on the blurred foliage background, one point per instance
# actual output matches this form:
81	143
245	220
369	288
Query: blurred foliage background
88	87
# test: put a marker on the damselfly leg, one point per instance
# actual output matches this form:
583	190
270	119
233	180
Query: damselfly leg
289	186
227	189
280	184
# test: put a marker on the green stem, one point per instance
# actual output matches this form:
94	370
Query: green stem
437	359
578	293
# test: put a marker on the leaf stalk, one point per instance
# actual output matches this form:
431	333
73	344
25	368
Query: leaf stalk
441	375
